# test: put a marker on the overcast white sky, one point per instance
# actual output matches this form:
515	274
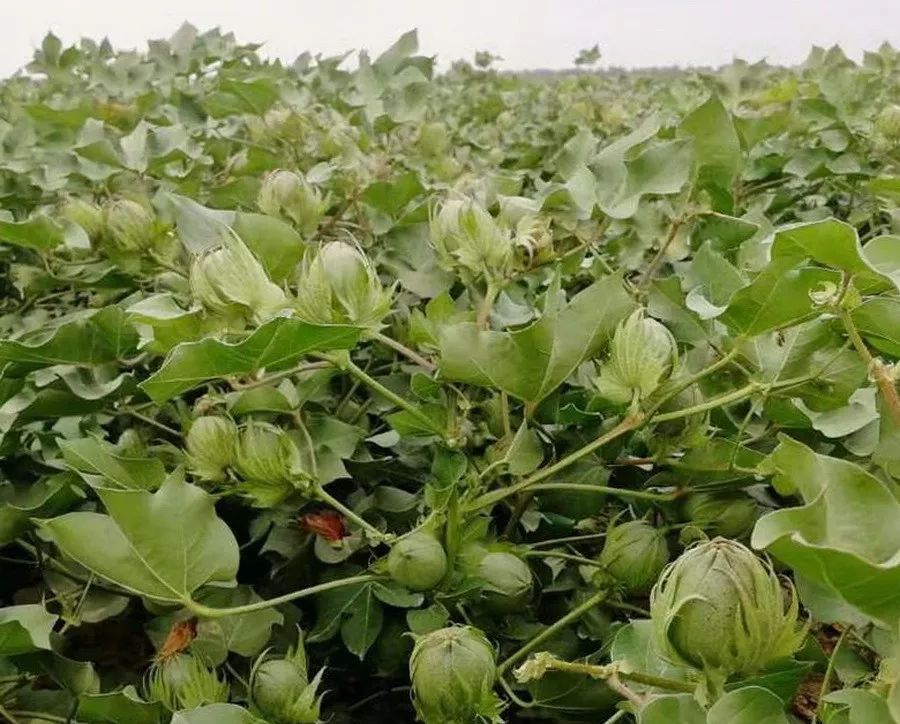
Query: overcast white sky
527	33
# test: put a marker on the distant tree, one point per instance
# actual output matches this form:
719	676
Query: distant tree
588	56
484	58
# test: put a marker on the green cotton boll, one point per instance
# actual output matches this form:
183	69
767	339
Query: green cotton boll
635	553
211	446
185	682
266	454
433	139
730	515
465	235
87	214
285	193
281	692
508	585
452	671
129	226
417	561
720	609
642	355
229	281
340	286
888	122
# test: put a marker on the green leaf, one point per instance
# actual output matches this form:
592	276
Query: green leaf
354	611
821	541
857	706
634	648
680	708
275	243
39	233
525	453
276	345
100	466
85	338
660	169
532	362
878	321
717	148
245	634
24	629
836	244
117	707
216	714
777	297
163	545
18	505
750	705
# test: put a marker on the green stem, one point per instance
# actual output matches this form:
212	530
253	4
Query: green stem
34	715
328	498
563	556
716	402
829	670
629	423
570	617
276	376
620	492
410	354
202	611
694	378
487	304
569	540
608	671
388	394
7	716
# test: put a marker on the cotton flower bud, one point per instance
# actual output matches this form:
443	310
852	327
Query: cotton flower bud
888	122
185	682
508	582
720	609
229	281
642	355
130	227
635	553
340	286
452	671
281	691
465	235
731	515
211	445
417	561
86	214
266	454
285	193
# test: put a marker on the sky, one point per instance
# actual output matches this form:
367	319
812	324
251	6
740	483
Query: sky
526	33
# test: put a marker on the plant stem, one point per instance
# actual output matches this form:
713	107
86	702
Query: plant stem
629	423
572	539
275	376
563	556
882	376
607	671
694	378
35	715
620	492
388	394
202	611
721	401
487	304
410	354
647	277
829	670
572	616
7	716
371	530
